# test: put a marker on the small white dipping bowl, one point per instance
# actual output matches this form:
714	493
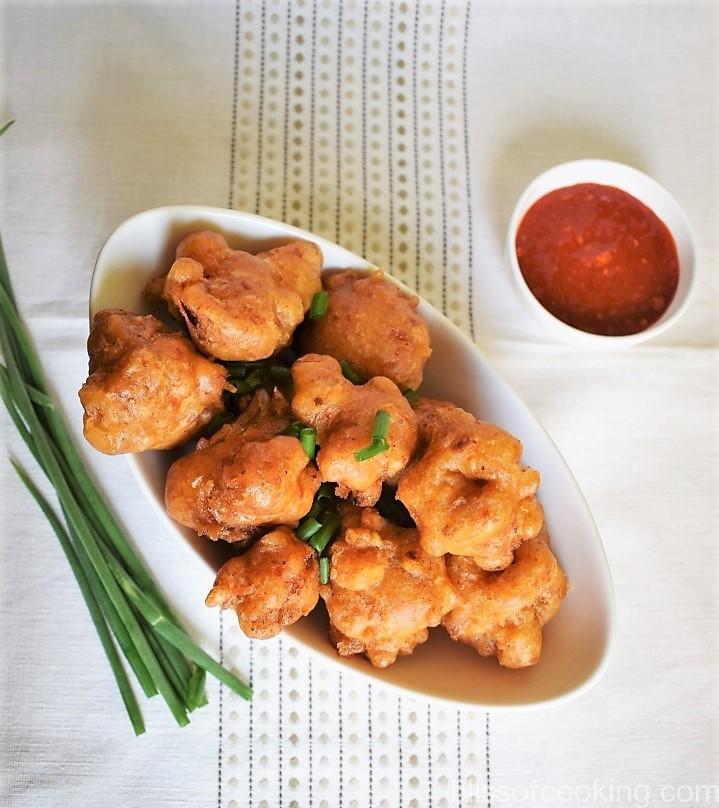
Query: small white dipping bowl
647	191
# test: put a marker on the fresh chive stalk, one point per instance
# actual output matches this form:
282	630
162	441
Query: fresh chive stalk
293	429
308	439
257	378
350	373
324	535
123	683
380	433
307	528
320	525
377	447
325	491
174	635
318	307
315	509
280	373
127	608
39	397
240	385
236	371
382	421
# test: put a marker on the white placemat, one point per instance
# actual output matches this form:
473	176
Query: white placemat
405	132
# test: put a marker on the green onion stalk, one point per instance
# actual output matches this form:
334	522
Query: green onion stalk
319	305
132	618
380	434
319	527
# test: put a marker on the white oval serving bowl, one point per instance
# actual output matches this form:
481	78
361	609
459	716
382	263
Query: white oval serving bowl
643	188
576	642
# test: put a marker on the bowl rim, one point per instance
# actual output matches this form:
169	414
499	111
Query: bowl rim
199	211
590	170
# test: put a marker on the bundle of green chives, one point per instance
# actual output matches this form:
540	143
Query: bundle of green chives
125	605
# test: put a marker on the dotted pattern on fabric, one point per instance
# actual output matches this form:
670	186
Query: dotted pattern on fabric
349	120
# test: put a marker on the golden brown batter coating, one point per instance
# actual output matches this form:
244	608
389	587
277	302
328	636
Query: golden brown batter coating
502	613
239	306
148	387
467	492
272	585
245	477
343	415
372	325
384	590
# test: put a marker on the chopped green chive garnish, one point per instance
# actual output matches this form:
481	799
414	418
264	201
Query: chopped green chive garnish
324	535
379	444
325	491
308	527
318	307
241	369
236	370
308	439
375	448
411	395
293	429
350	373
196	689
257	378
381	425
314	510
280	373
241	386
313	523
247	376
324	570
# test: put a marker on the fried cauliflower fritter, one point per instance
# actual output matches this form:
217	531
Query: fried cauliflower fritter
148	387
372	325
502	613
384	590
245	477
272	585
343	415
239	306
466	491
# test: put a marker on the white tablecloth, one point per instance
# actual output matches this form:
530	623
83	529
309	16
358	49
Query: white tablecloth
413	155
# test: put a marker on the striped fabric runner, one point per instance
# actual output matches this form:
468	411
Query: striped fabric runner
350	120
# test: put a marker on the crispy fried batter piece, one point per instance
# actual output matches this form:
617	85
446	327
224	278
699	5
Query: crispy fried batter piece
343	415
245	477
239	306
372	325
274	584
384	590
502	613
467	492
148	387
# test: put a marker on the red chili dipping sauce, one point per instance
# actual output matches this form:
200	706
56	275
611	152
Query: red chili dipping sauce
598	259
